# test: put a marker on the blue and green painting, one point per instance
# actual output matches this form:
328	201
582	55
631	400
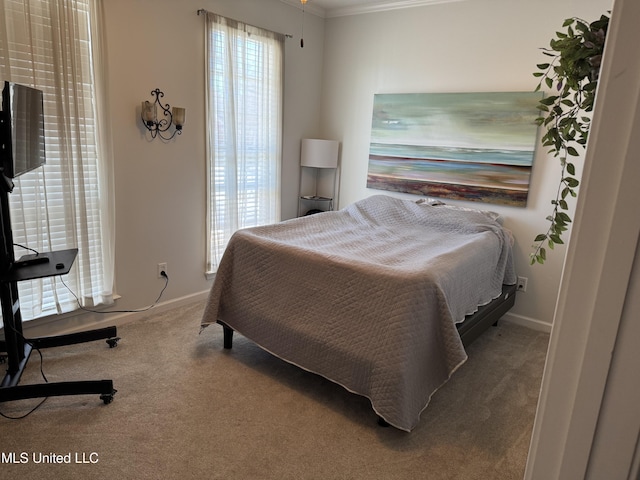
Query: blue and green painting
465	146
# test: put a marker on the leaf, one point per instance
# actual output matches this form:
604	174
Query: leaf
556	239
565	217
571	169
543	66
571	182
540	237
572	151
583	27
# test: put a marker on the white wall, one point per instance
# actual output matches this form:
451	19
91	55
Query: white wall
473	45
160	187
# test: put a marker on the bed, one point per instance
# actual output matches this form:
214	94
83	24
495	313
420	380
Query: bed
375	297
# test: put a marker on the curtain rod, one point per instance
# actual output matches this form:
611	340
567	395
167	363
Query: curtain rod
203	11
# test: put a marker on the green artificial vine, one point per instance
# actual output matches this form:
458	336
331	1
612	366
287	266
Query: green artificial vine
572	75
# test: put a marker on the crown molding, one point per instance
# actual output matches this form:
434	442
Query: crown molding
382	7
369	7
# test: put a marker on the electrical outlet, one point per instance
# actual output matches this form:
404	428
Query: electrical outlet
162	267
522	284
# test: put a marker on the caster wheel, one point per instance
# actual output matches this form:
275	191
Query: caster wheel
107	398
113	342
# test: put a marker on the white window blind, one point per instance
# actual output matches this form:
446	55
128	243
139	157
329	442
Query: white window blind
244	129
51	45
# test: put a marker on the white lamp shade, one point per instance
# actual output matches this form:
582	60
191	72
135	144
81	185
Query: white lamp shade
319	153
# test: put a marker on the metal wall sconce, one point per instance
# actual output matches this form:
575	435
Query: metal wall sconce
170	116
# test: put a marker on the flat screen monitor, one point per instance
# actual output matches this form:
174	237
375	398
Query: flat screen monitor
23	144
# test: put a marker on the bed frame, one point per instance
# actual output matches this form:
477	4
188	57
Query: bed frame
470	329
487	315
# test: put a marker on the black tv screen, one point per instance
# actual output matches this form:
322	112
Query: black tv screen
23	144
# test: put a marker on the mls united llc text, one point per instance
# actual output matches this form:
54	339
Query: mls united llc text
39	457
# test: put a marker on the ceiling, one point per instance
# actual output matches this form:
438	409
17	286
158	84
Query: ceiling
339	8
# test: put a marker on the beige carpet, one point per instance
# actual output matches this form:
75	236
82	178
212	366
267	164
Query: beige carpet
187	409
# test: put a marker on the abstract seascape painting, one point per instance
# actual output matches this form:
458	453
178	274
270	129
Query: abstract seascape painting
464	146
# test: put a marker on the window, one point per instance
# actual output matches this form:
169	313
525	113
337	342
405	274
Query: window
54	45
244	129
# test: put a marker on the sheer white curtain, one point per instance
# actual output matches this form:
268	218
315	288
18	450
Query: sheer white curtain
57	46
244	129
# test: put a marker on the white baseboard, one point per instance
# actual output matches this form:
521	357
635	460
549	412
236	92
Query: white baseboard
78	320
528	322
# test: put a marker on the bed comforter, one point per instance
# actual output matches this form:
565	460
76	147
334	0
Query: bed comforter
367	296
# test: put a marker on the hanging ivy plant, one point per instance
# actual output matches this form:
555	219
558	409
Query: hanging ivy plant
572	76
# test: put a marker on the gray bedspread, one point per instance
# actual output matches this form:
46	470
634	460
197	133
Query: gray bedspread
367	296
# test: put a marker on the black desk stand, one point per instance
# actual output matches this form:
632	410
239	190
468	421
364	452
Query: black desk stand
17	347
